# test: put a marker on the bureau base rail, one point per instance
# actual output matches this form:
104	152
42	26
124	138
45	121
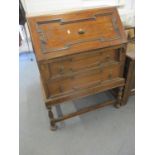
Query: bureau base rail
85	110
116	102
53	120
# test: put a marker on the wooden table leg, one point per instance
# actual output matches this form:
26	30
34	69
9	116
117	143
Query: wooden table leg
51	116
127	89
119	97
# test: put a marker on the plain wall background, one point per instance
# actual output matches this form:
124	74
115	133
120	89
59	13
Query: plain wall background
39	7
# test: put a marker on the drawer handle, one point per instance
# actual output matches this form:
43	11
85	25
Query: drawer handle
81	31
72	76
107	57
71	71
110	76
61	89
61	70
101	64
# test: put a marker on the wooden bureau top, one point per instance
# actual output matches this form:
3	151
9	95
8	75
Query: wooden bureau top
64	34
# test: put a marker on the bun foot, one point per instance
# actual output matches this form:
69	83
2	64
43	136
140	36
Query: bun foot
54	128
117	106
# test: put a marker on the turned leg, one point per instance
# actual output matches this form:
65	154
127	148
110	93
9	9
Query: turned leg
119	97
51	116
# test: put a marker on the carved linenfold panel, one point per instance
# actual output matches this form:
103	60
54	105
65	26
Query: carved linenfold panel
64	34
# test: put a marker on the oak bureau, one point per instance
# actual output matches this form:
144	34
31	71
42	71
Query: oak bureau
79	54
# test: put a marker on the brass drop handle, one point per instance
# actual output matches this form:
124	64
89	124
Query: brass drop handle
107	57
81	31
110	76
101	64
61	69
72	76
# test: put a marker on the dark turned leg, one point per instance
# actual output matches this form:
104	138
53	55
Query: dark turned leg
119	97
51	116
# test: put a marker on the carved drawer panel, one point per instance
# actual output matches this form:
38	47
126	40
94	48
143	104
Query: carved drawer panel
78	62
82	80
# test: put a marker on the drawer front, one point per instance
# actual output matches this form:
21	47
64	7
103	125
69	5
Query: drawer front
78	62
83	80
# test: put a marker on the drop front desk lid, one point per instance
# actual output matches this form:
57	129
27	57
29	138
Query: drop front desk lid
63	34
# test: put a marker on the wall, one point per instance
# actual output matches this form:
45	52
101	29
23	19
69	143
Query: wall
34	7
39	7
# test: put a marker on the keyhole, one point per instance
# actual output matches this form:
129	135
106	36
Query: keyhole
68	31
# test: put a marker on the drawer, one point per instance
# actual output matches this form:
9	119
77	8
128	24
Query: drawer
79	62
83	80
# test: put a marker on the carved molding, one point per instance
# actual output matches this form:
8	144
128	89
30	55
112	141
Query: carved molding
43	39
